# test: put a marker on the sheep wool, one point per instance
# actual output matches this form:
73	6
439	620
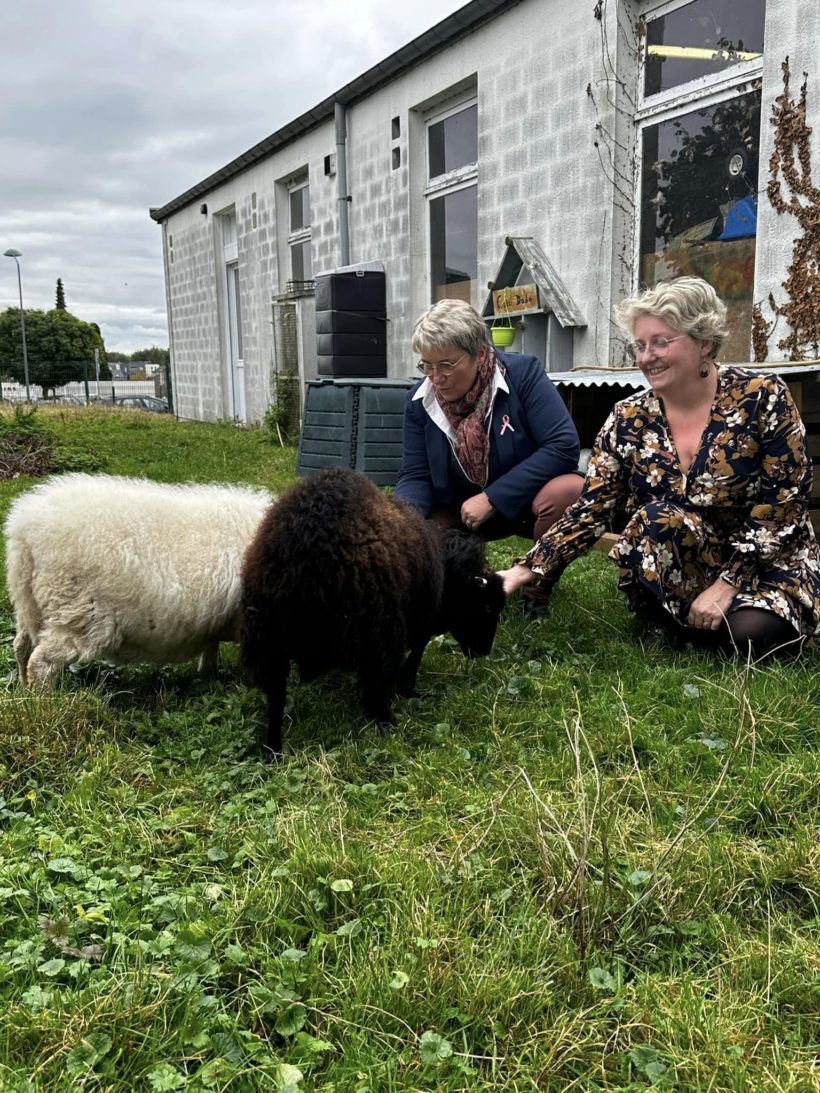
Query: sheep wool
126	570
340	575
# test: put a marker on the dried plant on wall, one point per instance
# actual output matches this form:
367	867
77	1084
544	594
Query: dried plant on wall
790	170
760	334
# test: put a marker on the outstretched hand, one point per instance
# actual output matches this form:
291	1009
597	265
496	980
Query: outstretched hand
515	578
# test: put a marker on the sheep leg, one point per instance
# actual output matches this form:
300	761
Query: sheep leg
409	670
209	659
23	646
377	684
275	685
46	661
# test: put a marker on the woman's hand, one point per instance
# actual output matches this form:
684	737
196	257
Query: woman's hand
709	608
476	510
515	577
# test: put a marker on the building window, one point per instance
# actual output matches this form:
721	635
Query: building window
452	196
301	261
699	121
701	39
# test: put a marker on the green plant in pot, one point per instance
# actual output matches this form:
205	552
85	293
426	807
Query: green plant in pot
502	332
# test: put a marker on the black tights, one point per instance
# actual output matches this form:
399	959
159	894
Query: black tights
748	632
754	632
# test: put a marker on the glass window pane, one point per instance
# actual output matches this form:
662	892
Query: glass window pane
454	245
301	261
453	142
699	205
700	39
300	208
228	229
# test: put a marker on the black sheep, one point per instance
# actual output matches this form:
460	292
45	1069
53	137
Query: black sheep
341	575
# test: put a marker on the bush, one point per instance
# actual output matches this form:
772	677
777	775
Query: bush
26	446
29	448
281	419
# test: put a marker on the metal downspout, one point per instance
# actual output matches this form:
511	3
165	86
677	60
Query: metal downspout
342	196
172	378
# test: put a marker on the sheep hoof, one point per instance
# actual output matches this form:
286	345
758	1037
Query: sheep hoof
387	719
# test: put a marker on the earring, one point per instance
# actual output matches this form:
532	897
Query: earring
704	369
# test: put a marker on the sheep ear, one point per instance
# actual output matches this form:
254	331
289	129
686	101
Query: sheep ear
481	581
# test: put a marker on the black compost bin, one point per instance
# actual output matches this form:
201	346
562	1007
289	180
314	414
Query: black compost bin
351	323
354	423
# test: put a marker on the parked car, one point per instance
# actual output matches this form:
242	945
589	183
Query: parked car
142	402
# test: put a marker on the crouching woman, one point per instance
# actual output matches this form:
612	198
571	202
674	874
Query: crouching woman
712	465
489	446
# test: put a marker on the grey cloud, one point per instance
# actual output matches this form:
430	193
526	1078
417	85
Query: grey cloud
109	108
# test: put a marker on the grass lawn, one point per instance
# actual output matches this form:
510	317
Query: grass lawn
583	863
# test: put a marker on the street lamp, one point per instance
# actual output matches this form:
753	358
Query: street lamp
15	254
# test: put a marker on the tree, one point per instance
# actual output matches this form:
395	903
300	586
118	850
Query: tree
58	343
155	355
60	305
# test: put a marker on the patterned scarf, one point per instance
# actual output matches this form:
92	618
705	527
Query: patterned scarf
466	416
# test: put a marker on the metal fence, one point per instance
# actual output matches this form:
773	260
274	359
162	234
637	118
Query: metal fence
102	391
70	381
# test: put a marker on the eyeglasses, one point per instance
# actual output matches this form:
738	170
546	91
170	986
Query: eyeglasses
444	368
658	346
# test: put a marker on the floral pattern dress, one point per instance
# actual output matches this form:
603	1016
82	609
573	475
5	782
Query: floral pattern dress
739	513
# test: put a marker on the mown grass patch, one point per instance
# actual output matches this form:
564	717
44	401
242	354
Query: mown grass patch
583	863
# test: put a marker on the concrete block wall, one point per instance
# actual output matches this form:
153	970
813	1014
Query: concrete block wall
379	210
193	316
195	289
258	267
530	113
539	174
550	80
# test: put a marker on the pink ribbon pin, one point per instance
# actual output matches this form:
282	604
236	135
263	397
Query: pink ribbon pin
506	424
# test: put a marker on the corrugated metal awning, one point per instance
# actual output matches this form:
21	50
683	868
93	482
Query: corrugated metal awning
633	377
600	377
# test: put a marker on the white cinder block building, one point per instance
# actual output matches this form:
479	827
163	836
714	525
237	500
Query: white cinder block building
620	141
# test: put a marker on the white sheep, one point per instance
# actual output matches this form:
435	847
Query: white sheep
126	570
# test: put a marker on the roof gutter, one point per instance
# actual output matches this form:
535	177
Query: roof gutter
455	26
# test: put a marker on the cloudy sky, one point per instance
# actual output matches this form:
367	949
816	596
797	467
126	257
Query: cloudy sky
109	106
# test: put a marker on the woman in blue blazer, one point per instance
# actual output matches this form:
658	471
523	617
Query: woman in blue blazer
488	444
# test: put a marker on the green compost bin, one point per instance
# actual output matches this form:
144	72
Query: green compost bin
354	423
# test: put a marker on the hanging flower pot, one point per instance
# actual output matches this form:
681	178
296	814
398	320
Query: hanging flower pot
502	332
502	336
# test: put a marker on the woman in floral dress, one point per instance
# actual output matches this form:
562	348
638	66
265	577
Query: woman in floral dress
711	463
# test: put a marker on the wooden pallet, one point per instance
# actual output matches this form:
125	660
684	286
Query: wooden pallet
606	542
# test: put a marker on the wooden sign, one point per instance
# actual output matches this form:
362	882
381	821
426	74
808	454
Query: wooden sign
515	299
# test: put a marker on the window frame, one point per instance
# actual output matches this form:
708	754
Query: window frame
697	94
440	186
459	176
303	235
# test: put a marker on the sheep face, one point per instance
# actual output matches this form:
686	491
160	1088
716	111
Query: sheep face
473	594
477	609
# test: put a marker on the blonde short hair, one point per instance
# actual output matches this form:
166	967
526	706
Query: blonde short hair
688	304
450	322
